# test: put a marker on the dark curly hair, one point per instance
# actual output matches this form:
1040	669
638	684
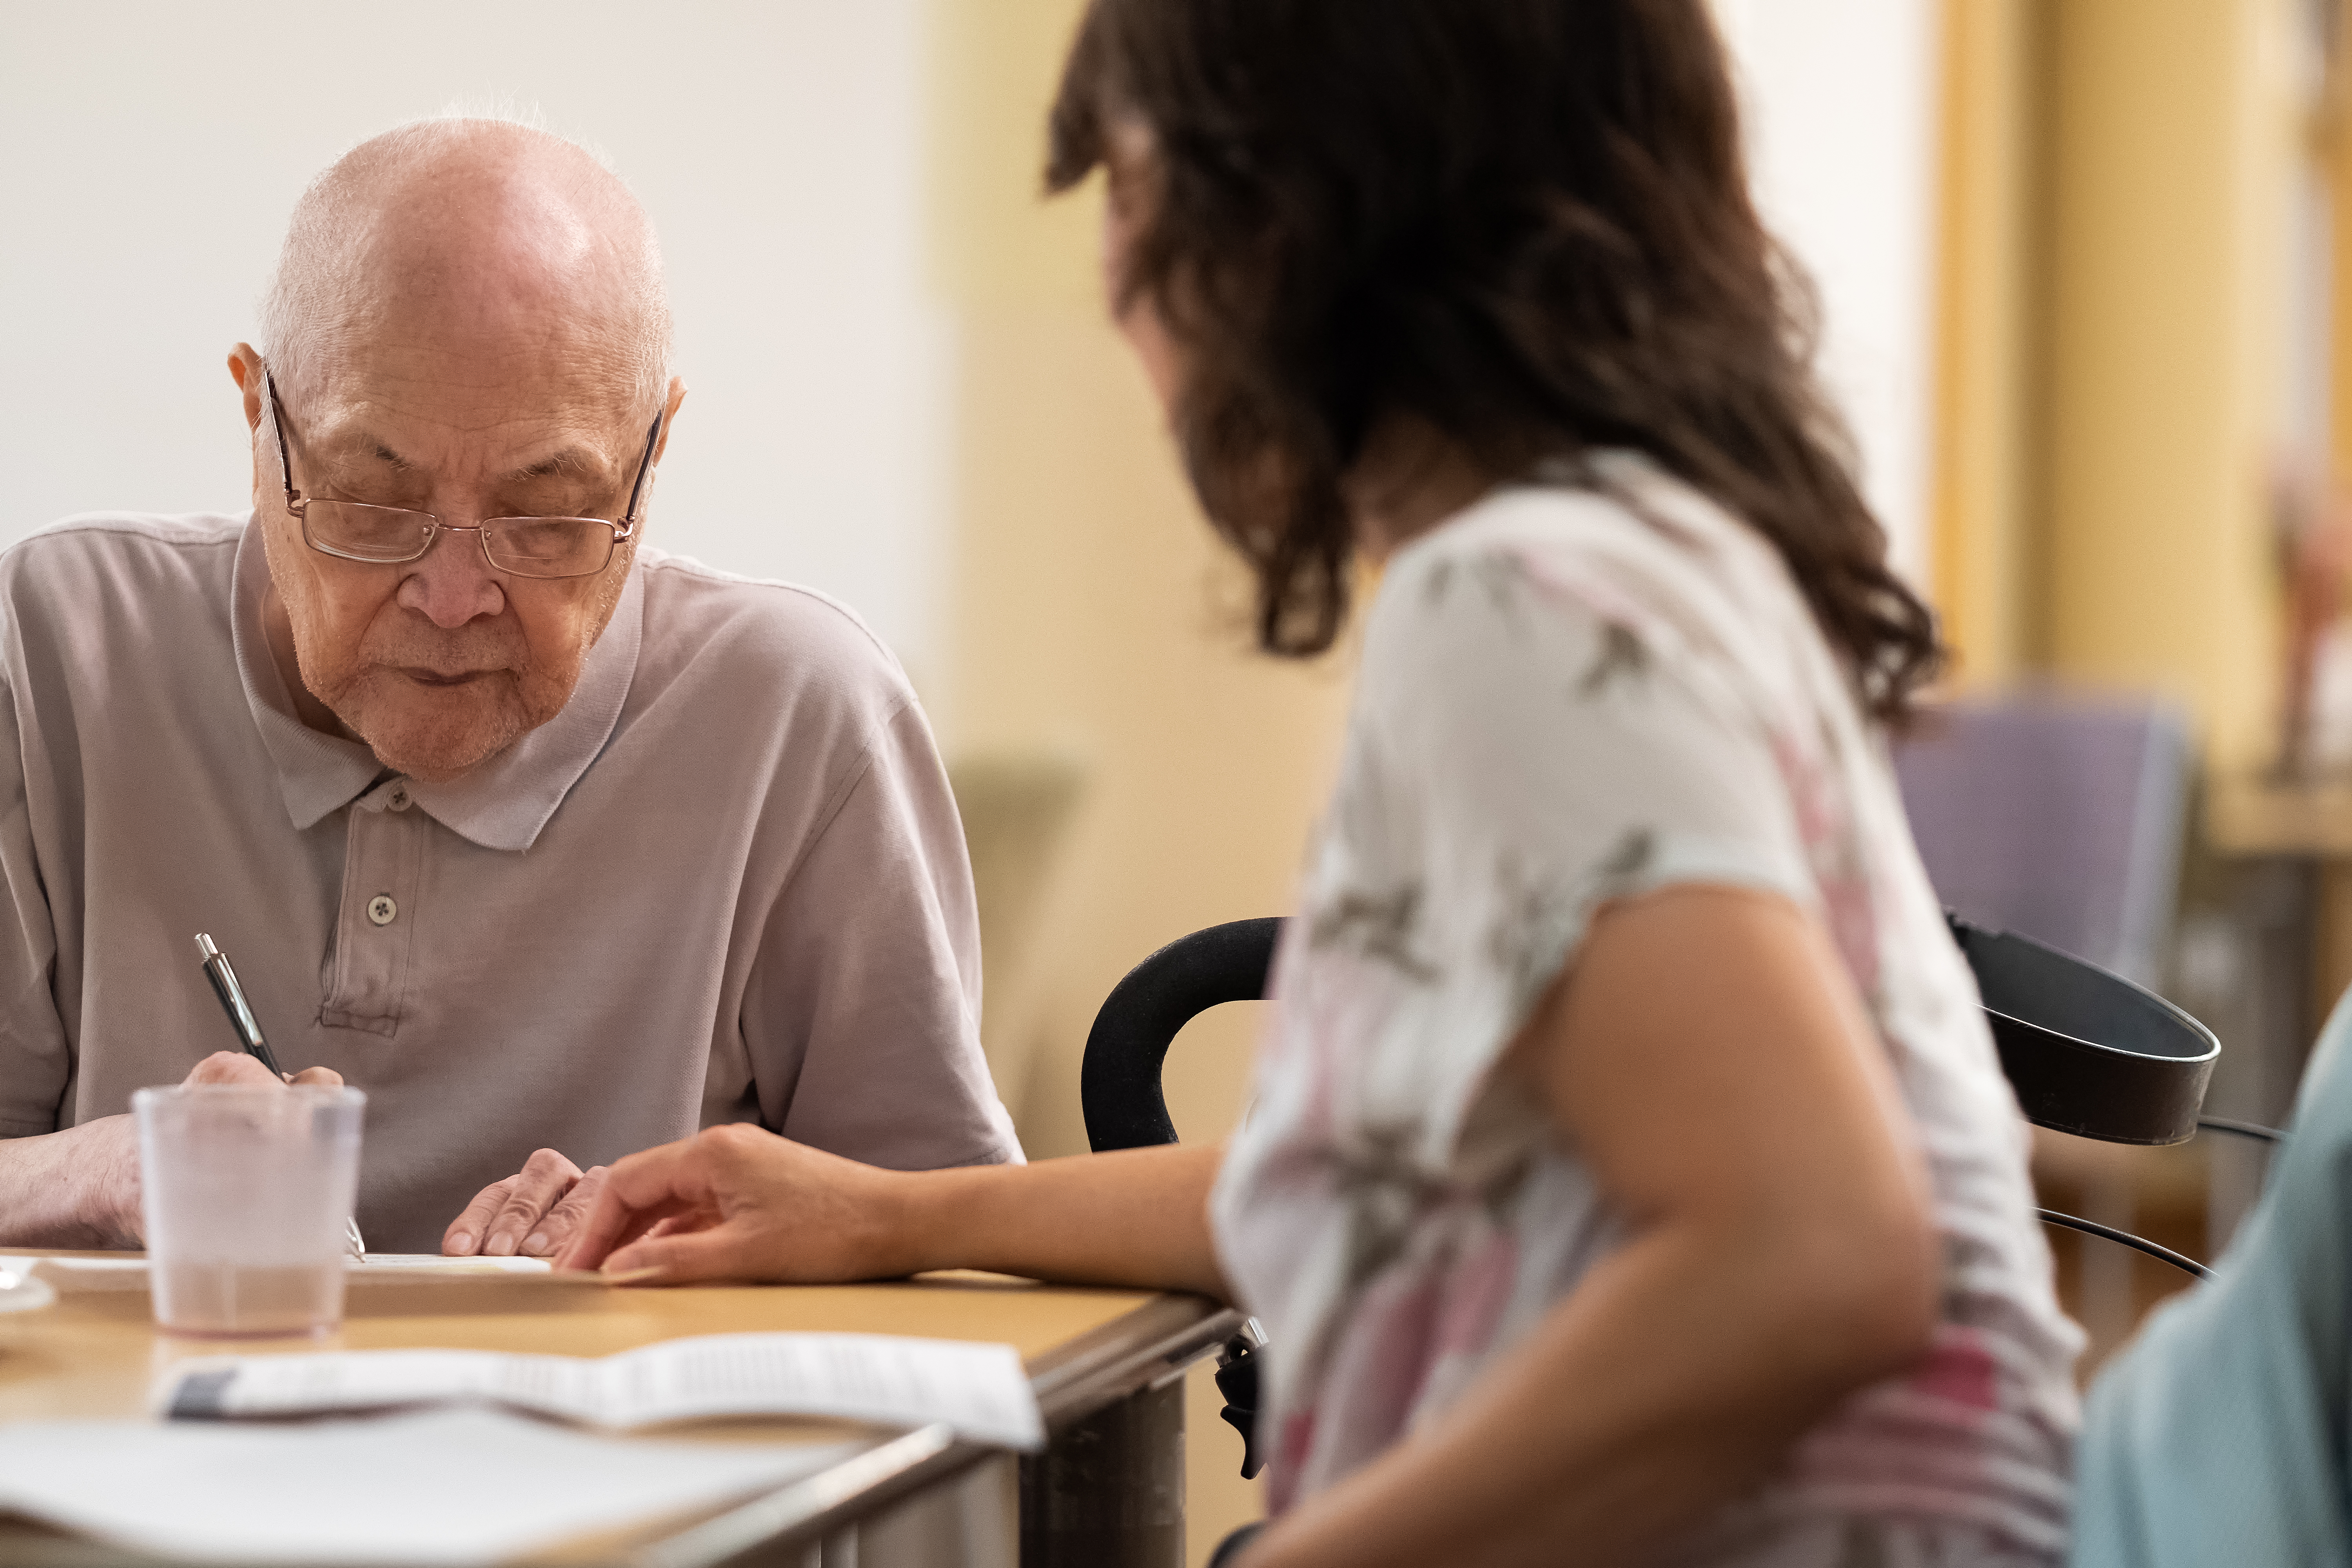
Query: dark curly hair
1525	222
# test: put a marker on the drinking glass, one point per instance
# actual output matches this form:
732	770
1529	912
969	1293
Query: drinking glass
247	1188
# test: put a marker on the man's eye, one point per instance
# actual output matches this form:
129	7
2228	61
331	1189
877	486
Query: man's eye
554	501
377	493
544	538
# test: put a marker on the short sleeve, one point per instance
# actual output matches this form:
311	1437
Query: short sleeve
862	1014
1537	735
35	1064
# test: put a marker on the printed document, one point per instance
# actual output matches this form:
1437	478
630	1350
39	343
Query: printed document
979	1391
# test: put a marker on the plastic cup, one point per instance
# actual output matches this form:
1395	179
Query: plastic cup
246	1187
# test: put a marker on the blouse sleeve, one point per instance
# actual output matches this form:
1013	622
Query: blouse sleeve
1541	736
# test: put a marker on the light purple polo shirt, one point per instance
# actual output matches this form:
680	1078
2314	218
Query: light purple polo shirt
726	883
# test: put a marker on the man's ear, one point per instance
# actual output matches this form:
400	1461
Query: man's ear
669	415
245	369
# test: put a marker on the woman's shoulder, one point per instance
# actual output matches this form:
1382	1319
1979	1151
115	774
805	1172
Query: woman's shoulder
1612	550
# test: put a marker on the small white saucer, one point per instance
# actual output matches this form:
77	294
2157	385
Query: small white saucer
19	1292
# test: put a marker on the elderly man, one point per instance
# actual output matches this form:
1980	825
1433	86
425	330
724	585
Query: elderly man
558	846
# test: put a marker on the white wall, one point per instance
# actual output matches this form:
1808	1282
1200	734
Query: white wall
1841	99
149	154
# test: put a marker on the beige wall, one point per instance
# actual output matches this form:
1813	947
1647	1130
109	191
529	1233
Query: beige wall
1093	620
1986	386
1091	614
2114	308
2173	149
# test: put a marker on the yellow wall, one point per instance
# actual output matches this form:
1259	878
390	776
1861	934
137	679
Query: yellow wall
2172	148
2115	214
1984	474
2111	342
2334	146
1093	615
1093	621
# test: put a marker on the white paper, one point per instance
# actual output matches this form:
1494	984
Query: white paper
440	1487
77	1275
436	1263
982	1391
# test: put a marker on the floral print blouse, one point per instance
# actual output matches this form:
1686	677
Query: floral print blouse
1577	691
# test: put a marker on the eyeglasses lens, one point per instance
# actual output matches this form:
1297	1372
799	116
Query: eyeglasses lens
549	546
525	547
367	533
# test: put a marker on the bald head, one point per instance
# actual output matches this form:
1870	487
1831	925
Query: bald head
473	234
466	323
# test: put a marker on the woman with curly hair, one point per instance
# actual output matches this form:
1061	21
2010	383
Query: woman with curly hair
1630	1175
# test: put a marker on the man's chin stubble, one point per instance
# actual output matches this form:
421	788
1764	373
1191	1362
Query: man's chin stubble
435	747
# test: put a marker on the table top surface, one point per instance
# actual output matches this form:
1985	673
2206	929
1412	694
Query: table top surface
96	1353
2248	814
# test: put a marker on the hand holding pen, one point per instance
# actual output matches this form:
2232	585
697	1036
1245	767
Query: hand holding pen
223	976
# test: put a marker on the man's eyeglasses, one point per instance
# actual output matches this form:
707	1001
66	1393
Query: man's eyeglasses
519	546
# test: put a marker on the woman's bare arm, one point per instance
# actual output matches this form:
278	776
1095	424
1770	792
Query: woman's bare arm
1709	1059
736	1203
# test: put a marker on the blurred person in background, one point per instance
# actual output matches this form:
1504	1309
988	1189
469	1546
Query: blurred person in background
1630	1175
558	846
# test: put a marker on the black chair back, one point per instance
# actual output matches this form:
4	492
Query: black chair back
2087	1051
1118	1084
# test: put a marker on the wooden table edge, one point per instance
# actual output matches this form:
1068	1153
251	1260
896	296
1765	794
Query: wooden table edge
1140	1349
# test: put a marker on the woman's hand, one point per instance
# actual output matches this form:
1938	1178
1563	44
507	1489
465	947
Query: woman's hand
736	1203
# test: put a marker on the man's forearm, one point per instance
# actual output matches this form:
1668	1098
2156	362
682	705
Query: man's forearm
1137	1217
78	1188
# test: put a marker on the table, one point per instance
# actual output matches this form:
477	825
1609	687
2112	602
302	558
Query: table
1107	1365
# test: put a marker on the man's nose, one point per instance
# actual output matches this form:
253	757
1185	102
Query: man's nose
453	584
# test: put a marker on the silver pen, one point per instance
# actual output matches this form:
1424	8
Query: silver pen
223	976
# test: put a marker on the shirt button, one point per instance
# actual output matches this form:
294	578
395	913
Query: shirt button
398	799
381	910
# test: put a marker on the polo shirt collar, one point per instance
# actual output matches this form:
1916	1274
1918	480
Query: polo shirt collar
502	803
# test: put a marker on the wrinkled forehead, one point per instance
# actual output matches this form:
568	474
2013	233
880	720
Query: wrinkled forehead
417	382
381	433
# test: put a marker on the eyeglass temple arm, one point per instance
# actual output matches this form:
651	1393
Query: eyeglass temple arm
645	467
277	424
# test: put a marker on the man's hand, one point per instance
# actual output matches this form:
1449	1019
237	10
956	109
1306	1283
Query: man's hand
77	1188
80	1187
236	1066
535	1212
736	1203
